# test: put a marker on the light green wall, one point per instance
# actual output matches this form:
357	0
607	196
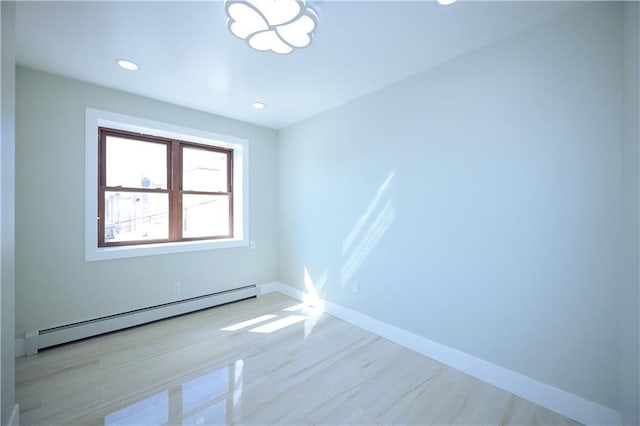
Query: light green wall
54	283
507	227
7	213
478	203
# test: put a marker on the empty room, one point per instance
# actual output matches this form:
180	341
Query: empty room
320	212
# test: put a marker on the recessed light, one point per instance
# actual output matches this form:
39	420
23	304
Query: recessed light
258	105
446	2
127	65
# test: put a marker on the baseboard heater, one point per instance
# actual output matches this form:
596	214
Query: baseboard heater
36	340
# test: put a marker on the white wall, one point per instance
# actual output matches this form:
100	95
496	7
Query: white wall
477	204
54	284
7	213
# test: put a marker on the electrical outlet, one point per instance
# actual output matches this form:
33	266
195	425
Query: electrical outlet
252	245
177	288
356	286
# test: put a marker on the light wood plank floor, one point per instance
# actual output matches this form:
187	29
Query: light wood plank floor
260	361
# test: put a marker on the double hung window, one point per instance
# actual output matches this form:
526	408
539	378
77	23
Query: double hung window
154	189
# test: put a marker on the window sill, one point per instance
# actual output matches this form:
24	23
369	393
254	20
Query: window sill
108	253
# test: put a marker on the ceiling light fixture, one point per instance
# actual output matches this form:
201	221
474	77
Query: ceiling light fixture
127	65
279	26
258	105
446	2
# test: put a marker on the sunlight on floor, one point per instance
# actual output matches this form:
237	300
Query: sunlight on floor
312	320
274	322
294	308
248	323
272	326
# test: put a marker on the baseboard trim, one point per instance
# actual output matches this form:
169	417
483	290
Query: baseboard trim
274	287
39	339
20	347
558	400
14	420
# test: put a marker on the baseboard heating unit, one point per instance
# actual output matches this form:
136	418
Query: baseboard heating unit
36	340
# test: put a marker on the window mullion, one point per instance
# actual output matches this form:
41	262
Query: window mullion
230	190
132	189
175	198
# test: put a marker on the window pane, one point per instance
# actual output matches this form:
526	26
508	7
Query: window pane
136	164
205	215
135	216
204	170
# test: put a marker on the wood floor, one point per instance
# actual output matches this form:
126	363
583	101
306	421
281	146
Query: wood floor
260	361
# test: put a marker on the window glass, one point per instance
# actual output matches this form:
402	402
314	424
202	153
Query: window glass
205	215
204	170
136	164
135	216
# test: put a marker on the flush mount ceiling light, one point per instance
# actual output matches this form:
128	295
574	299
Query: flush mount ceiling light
279	26
127	65
446	2
258	105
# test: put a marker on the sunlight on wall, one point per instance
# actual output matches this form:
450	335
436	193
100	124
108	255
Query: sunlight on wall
312	301
367	239
312	297
368	212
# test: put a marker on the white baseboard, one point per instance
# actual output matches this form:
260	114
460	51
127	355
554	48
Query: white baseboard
39	339
271	288
558	400
14	420
20	347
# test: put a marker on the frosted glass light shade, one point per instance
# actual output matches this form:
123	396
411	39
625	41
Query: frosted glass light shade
278	26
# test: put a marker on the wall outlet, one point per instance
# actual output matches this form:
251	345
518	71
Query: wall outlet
356	286
177	288
252	245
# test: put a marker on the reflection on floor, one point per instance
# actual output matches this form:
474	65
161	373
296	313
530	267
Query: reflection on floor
262	361
204	400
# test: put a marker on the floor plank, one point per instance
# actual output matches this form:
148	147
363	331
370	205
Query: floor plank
259	361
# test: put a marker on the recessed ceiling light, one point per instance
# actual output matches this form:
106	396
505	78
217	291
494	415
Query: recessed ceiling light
446	2
258	105
127	65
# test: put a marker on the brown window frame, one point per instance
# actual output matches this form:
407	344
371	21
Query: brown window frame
174	186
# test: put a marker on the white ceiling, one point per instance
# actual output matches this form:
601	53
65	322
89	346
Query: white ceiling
188	57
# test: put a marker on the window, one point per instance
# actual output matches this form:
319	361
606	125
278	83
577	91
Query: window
154	190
